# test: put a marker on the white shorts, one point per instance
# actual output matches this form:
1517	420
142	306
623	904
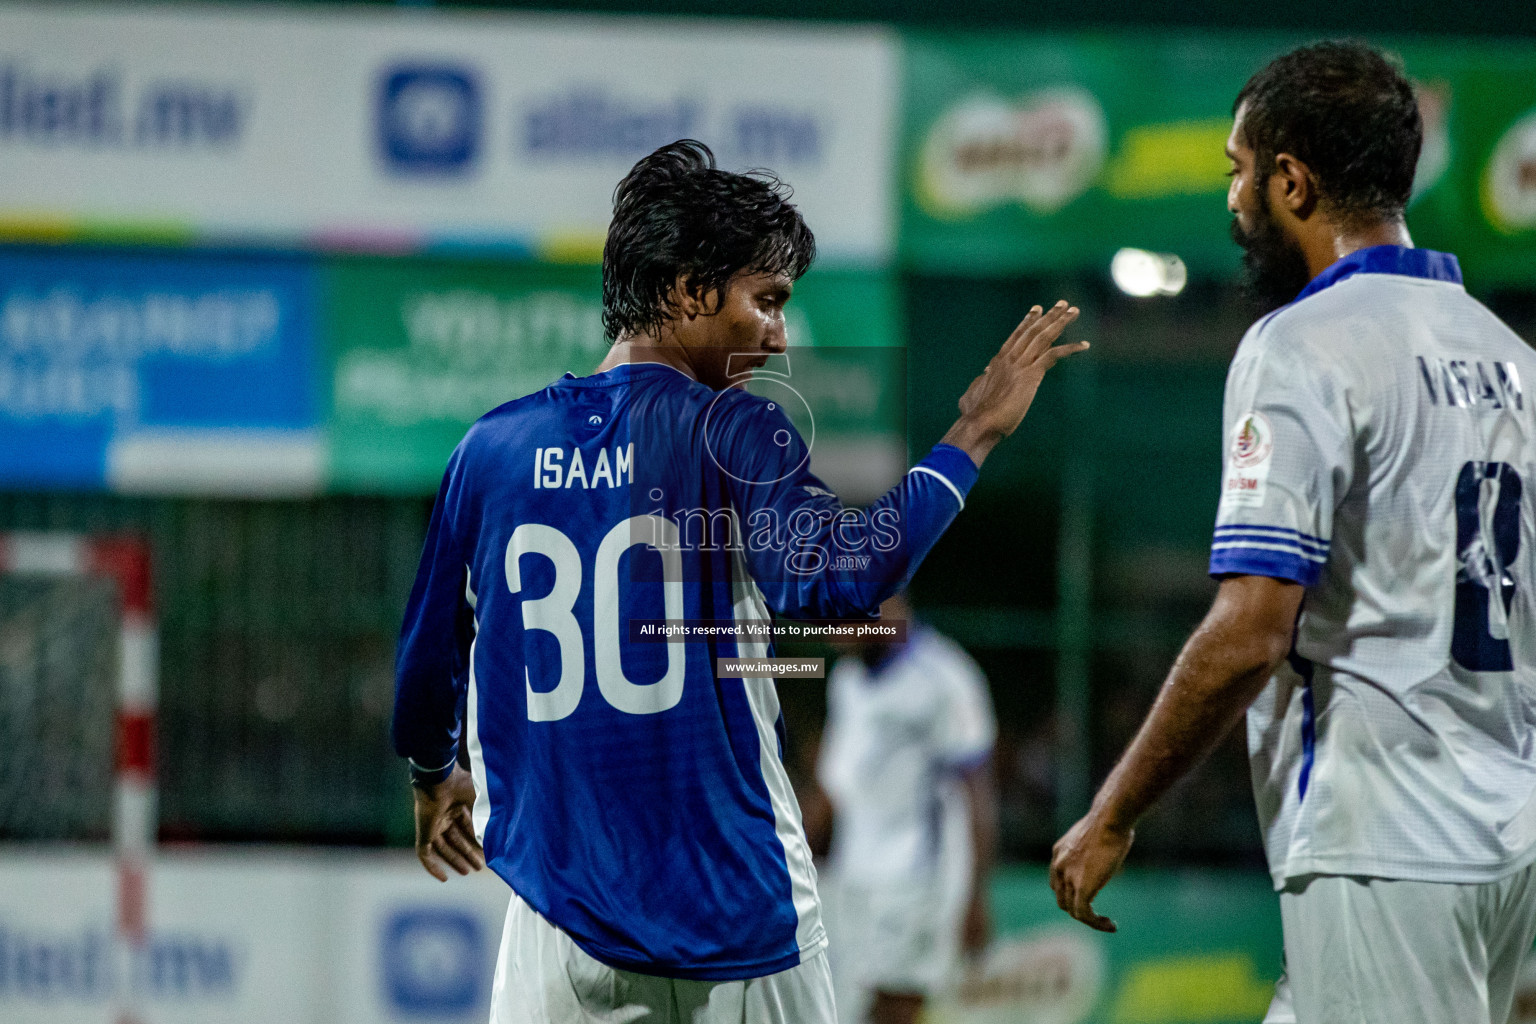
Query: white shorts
542	977
1390	951
902	939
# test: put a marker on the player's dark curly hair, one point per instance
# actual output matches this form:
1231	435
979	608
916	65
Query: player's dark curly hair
1349	114
675	213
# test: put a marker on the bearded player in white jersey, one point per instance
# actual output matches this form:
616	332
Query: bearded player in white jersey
1376	546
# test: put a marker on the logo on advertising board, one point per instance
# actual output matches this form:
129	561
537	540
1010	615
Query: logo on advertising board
1050	975
429	119
433	962
1042	151
100	110
593	122
1509	183
50	967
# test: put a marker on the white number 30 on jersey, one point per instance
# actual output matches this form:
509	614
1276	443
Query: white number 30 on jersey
555	614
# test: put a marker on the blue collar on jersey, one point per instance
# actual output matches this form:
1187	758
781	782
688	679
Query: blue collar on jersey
621	372
1387	259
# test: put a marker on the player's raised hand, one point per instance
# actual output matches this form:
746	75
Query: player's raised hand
445	830
1082	863
995	403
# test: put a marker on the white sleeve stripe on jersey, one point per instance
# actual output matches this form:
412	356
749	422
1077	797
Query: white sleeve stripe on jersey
1280	532
1310	547
1290	549
943	480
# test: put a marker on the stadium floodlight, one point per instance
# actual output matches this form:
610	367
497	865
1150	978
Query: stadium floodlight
1143	274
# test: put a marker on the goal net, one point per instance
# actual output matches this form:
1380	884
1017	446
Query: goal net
78	680
59	653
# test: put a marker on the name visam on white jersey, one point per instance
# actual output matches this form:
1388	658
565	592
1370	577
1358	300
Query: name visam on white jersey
1381	451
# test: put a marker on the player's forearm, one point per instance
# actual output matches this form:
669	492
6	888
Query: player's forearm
1220	672
981	801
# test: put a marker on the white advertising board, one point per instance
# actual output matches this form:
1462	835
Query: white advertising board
250	938
401	130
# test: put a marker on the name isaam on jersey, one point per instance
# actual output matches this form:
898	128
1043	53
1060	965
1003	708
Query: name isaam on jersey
1466	383
554	468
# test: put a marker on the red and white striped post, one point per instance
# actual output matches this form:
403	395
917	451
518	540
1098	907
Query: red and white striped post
134	819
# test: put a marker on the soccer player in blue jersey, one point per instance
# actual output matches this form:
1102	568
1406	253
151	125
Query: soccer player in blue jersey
635	803
1376	546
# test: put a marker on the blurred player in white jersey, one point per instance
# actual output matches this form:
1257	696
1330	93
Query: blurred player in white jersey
1376	546
905	764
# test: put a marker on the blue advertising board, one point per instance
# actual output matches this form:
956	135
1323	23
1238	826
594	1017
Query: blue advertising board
154	372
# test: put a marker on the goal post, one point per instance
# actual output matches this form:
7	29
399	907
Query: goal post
125	563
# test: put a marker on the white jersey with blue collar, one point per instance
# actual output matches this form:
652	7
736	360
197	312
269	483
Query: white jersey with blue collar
1381	451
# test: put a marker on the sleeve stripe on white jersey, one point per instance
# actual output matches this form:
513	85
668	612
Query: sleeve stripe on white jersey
1279	564
1311	547
1278	532
943	480
1289	549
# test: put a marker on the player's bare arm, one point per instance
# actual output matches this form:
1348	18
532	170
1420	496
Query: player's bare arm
995	403
1222	669
445	831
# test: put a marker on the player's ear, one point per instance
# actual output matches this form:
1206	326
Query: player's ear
692	299
685	298
1291	186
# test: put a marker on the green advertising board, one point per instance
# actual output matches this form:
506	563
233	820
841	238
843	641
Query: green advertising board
420	349
1197	947
1477	173
1036	152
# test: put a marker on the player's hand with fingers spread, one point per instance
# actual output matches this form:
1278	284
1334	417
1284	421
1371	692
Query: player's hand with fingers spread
995	403
445	830
1082	863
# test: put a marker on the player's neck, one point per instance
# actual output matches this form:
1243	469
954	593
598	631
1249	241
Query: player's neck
641	349
1330	241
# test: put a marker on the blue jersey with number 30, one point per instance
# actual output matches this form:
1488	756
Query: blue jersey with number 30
624	792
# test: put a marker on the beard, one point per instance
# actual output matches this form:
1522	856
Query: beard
1274	269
